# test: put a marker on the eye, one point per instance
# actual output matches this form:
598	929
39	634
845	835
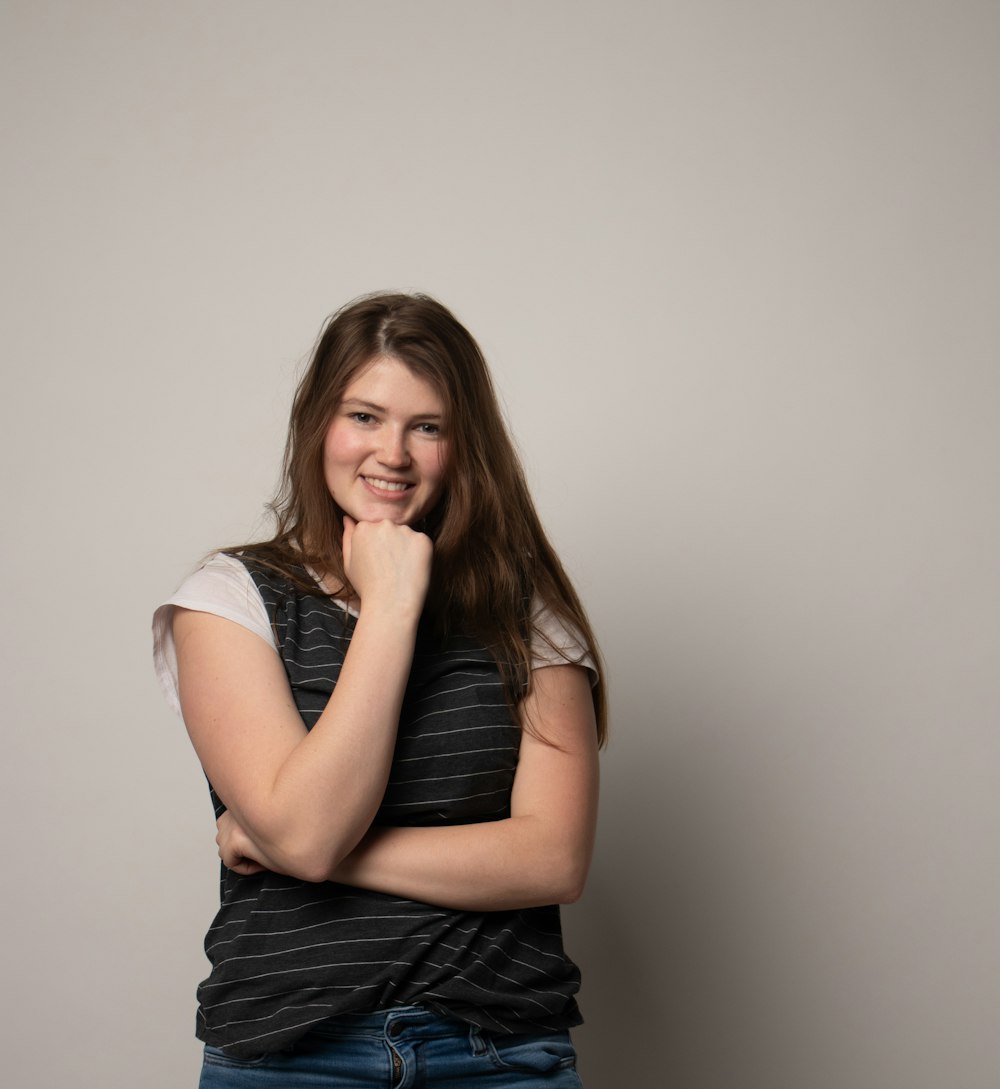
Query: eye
361	417
429	428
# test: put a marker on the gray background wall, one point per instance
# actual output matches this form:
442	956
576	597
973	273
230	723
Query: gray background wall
736	268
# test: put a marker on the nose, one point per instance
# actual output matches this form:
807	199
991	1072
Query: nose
393	450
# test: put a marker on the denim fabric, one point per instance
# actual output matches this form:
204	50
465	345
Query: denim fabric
404	1048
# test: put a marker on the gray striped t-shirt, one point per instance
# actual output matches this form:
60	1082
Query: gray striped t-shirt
286	954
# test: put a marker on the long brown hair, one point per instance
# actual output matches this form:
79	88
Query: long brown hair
491	556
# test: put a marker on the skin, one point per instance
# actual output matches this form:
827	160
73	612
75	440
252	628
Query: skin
277	779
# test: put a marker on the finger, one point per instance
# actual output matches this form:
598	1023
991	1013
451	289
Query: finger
345	546
246	867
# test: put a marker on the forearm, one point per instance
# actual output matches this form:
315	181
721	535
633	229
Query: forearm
327	789
502	865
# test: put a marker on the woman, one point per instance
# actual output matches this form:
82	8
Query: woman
397	703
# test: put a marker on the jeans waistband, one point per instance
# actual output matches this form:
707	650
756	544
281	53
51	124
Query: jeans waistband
395	1023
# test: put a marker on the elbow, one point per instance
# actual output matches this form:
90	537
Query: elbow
570	894
572	879
291	848
559	866
313	870
311	862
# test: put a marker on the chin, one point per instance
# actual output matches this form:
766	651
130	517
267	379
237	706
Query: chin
378	514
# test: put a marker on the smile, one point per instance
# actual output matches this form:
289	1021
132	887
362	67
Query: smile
386	485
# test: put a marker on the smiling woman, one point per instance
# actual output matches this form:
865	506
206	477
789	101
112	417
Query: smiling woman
397	701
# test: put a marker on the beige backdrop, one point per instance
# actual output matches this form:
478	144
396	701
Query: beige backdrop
736	267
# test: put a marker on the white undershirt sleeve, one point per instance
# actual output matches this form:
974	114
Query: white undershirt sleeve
222	586
554	643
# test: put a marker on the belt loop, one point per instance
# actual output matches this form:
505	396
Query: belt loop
476	1041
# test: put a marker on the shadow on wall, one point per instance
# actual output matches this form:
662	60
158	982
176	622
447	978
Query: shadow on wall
620	933
691	975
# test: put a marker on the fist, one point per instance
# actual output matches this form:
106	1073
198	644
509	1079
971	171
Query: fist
387	564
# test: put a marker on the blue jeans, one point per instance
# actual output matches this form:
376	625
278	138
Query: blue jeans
403	1048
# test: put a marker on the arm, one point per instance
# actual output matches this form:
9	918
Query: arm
305	799
539	855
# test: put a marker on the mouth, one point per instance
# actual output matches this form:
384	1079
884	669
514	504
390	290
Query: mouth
388	487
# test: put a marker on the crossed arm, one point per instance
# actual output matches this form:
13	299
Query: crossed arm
539	855
277	779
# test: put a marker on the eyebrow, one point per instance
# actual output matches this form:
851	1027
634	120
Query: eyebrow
357	401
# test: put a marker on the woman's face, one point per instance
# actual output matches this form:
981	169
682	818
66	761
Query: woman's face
385	454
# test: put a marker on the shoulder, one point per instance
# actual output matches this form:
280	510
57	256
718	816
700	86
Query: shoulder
219	573
221	585
224	585
555	641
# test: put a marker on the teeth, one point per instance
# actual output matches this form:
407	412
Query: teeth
386	485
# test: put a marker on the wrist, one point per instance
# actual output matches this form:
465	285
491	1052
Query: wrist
376	608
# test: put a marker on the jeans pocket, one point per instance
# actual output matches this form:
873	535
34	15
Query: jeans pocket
533	1053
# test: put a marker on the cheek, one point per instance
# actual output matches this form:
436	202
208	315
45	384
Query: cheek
338	448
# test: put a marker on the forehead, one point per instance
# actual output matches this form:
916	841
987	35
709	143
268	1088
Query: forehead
392	384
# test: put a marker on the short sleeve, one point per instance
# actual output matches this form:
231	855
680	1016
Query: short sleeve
222	586
553	642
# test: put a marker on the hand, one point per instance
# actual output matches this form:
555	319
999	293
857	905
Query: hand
387	564
236	849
